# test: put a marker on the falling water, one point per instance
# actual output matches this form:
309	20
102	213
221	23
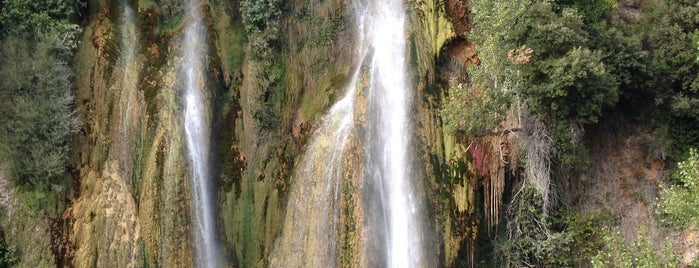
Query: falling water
129	49
394	230
309	238
310	234
398	218
197	121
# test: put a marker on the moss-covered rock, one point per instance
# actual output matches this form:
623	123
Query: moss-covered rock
132	202
132	206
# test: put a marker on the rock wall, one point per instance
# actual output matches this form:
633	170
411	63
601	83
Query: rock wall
130	206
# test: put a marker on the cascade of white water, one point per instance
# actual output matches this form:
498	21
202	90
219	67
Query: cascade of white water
388	142
309	238
393	220
197	126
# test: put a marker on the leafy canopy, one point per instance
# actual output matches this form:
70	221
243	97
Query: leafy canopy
31	17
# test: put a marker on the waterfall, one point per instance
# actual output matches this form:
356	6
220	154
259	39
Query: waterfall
309	237
395	212
393	222
129	49
197	126
310	234
128	32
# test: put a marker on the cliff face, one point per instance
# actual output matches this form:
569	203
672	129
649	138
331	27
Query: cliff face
131	201
130	204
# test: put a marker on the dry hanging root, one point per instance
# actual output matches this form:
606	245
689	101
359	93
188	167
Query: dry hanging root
489	163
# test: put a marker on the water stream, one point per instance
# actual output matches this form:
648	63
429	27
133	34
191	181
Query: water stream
394	230
129	49
197	126
128	31
309	237
395	213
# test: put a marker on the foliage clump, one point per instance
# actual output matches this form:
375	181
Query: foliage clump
640	253
261	19
539	54
19	17
469	112
678	205
262	22
535	238
574	62
37	109
8	253
36	99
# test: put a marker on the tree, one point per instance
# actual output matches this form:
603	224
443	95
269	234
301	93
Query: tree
31	17
540	53
566	80
480	105
574	86
36	108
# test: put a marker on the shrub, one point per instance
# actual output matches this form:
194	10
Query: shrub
8	254
679	204
36	107
471	112
641	253
536	239
261	15
261	19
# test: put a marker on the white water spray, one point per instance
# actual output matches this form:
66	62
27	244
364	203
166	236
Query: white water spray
388	142
197	126
394	230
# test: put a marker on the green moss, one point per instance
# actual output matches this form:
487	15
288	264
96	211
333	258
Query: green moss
28	231
430	18
230	38
315	103
146	4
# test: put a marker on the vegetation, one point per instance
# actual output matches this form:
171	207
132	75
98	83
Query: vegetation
21	17
37	105
8	254
35	89
261	20
641	253
536	239
678	205
577	64
571	61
